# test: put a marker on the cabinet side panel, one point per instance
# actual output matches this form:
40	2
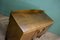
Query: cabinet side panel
13	31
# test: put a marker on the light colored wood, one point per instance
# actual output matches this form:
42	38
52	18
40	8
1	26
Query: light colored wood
26	24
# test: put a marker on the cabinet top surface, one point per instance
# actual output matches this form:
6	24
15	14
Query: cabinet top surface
29	20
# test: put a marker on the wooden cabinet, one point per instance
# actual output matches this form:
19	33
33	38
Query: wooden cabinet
27	24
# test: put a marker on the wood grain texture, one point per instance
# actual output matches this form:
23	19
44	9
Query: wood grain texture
26	24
